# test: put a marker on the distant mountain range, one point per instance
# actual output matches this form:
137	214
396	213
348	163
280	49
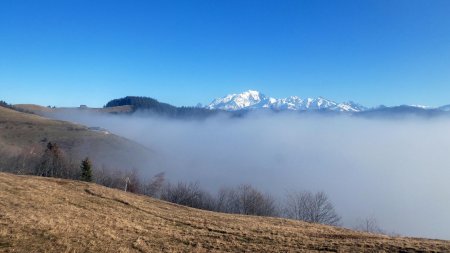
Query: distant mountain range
239	105
251	100
254	100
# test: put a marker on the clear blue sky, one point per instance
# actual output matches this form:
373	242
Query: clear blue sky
73	52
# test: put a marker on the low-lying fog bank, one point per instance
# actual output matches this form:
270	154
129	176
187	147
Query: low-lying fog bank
393	170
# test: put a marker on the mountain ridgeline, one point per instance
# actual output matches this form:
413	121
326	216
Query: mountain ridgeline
153	106
254	100
238	105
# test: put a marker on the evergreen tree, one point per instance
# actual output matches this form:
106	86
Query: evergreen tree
86	170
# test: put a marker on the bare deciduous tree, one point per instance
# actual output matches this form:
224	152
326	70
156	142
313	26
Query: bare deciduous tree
132	181
54	163
119	179
369	225
245	199
188	195
112	178
310	207
153	187
20	162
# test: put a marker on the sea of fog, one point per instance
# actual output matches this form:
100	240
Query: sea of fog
396	171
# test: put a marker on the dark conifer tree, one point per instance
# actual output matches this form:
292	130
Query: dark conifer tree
86	170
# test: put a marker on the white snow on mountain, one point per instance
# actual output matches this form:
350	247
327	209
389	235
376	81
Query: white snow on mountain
422	106
234	102
252	100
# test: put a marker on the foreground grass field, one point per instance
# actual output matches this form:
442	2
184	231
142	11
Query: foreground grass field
54	215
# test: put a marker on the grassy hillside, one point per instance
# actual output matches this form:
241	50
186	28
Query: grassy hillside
129	105
38	109
53	215
22	132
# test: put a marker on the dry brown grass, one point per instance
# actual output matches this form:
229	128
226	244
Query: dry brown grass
54	215
38	109
22	131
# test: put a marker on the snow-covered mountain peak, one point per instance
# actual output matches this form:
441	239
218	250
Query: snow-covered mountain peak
422	106
240	101
253	99
253	93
